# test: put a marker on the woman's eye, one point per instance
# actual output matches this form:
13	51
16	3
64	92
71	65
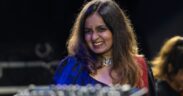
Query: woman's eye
87	31
102	29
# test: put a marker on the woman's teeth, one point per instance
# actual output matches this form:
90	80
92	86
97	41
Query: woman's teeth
97	43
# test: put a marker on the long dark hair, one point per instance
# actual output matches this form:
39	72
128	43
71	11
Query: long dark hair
124	46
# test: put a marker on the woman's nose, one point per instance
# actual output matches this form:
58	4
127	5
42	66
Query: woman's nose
95	36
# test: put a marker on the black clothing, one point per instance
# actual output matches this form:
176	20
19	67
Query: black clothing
164	89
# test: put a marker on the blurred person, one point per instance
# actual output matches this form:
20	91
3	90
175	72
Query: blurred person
102	49
168	68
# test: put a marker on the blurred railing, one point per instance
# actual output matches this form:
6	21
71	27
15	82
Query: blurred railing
28	64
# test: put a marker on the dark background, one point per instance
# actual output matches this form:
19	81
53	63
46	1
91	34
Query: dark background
25	24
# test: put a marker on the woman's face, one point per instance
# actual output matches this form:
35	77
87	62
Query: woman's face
98	37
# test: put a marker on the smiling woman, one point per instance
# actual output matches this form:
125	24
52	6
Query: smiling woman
102	49
98	37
